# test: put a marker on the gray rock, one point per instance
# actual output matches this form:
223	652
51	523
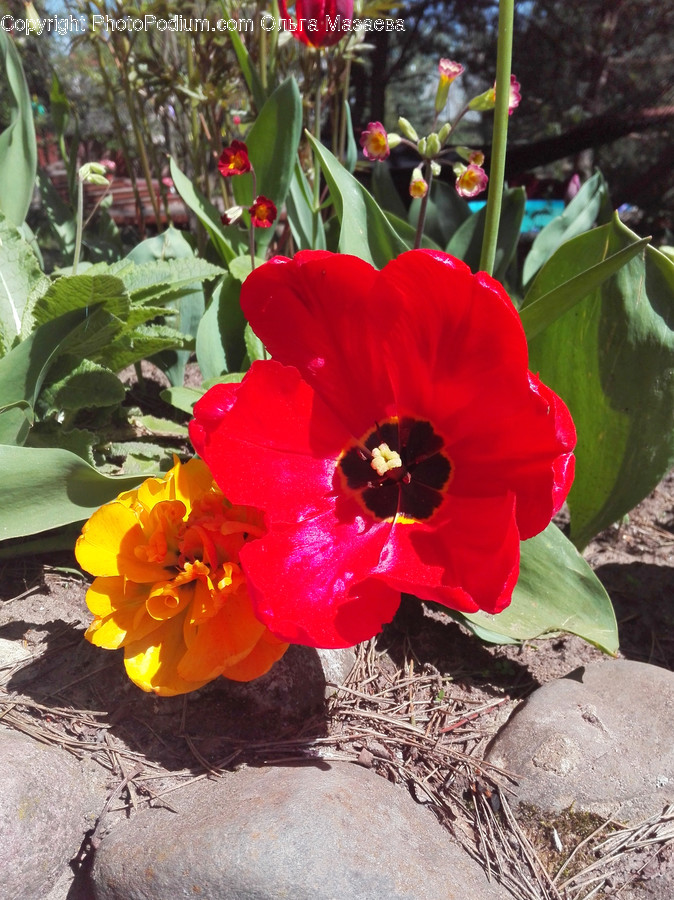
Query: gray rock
600	739
309	832
45	809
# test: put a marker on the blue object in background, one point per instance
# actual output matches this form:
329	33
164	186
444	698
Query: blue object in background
537	213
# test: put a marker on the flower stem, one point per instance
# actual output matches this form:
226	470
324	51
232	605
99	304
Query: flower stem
79	224
498	153
428	177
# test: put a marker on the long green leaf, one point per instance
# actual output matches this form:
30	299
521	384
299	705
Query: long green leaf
365	231
47	488
272	144
18	148
556	592
611	358
541	309
466	243
305	223
226	240
579	216
220	343
248	69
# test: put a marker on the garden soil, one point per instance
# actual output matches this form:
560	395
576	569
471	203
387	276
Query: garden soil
423	669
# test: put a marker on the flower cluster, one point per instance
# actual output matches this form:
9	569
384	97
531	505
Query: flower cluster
471	179
409	454
169	587
235	160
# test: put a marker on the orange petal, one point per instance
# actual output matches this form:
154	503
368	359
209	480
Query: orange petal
152	663
221	641
97	548
259	661
191	480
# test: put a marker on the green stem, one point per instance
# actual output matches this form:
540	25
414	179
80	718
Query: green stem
428	176
79	224
317	135
498	154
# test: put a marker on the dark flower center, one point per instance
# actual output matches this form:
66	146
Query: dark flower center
399	468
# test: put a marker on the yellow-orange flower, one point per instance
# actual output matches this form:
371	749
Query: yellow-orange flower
168	585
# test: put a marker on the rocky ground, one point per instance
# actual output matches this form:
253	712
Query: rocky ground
437	767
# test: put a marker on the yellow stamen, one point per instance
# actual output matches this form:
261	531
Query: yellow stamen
384	459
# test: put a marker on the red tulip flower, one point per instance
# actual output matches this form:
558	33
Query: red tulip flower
319	23
396	442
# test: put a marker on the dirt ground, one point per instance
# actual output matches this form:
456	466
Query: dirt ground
420	707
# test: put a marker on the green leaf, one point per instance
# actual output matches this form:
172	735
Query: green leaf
60	216
228	241
579	216
254	346
24	369
241	267
183	398
48	488
408	233
554	293
351	156
142	343
16	420
18	148
446	211
248	69
385	192
306	224
220	338
466	242
611	359
365	231
272	144
50	434
177	276
79	292
20	279
557	591
87	386
159	427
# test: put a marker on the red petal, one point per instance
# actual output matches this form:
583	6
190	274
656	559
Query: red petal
320	313
310	583
454	339
470	562
529	453
270	442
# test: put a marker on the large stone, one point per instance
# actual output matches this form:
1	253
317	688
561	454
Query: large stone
600	740
45	809
305	832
